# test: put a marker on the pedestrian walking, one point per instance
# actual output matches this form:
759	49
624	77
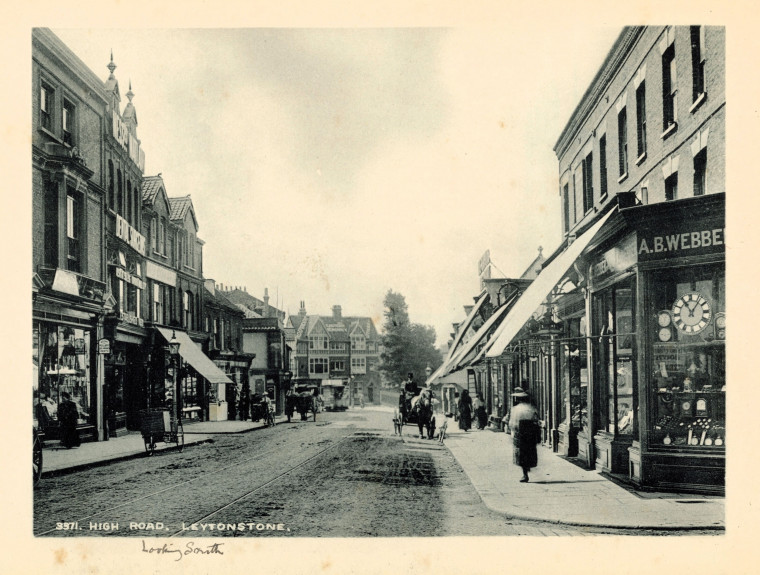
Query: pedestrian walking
68	416
465	410
479	408
525	433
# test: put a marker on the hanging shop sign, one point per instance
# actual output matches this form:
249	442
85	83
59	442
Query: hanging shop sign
104	346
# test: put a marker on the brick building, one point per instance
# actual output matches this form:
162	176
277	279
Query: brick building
69	293
335	347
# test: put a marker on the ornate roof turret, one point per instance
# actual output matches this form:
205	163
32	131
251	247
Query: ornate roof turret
112	84
130	114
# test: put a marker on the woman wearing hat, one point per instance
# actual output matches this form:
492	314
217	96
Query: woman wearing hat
525	432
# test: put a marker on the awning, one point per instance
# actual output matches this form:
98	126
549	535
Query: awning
537	291
461	357
464	326
193	355
455	378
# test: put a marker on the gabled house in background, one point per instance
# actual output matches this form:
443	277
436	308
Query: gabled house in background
335	347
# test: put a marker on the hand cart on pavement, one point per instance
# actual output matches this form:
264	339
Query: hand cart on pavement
160	424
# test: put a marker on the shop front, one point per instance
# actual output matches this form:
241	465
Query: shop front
681	440
125	372
66	323
656	347
198	384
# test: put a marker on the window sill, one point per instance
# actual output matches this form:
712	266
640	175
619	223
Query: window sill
641	158
50	134
669	130
622	178
698	102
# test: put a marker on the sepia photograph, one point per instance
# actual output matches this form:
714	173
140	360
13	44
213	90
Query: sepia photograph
350	286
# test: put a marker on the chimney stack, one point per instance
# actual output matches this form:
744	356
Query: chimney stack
336	312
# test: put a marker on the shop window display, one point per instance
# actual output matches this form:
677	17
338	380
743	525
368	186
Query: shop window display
688	384
574	374
614	313
61	360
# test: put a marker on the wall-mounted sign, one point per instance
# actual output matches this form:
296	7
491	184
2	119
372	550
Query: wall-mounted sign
121	133
131	318
123	274
104	346
615	260
130	235
685	240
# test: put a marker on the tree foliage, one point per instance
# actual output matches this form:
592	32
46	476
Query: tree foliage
407	347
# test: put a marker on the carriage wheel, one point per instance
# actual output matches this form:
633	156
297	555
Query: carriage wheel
37	460
180	437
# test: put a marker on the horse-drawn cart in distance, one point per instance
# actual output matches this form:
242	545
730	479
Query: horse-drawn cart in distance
303	399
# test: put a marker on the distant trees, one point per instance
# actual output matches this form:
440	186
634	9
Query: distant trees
408	347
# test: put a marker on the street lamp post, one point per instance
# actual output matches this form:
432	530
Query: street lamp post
174	352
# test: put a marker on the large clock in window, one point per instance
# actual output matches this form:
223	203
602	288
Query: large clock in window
691	313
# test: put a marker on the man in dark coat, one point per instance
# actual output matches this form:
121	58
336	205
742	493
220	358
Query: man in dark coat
523	421
68	416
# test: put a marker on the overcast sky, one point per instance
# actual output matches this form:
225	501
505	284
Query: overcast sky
330	165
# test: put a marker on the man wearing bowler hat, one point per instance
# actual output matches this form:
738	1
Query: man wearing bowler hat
525	432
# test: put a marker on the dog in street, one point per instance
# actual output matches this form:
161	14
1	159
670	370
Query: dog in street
442	430
398	424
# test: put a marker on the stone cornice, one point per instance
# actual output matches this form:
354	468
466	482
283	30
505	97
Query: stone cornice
594	93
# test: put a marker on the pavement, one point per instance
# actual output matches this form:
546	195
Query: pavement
57	459
559	491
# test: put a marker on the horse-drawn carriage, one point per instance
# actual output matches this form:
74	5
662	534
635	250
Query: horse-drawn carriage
303	399
416	409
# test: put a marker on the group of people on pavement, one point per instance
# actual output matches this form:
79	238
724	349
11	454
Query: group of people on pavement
471	410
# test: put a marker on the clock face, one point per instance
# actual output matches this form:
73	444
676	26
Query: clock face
691	313
665	334
663	318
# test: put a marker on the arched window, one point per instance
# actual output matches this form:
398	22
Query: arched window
110	184
119	194
130	211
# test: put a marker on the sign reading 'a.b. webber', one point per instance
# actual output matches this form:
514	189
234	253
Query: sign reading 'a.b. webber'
686	238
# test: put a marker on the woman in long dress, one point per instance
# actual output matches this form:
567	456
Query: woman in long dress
68	415
480	411
525	433
465	411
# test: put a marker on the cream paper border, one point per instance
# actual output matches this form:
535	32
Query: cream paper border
732	553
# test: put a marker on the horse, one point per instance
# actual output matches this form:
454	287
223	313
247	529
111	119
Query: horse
423	409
